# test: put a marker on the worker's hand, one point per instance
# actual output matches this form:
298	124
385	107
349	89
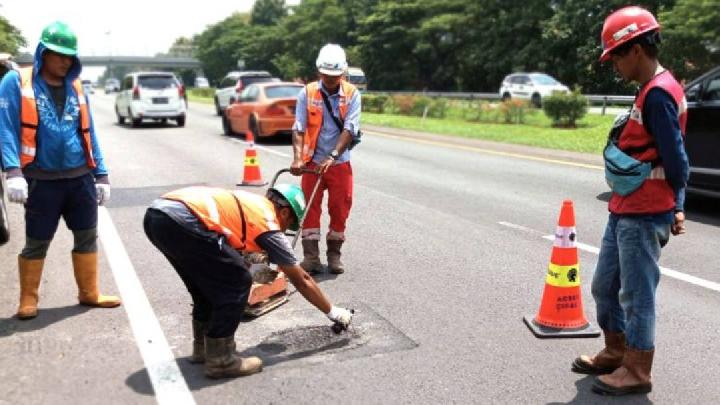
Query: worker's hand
325	165
678	227
296	167
17	188
341	316
103	193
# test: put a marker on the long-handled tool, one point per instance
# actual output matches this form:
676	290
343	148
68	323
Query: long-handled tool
267	295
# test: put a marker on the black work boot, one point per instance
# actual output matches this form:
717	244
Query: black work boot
198	353
333	256
311	260
222	362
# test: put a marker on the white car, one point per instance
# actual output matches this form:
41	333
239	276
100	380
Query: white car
112	85
150	95
530	86
88	86
233	83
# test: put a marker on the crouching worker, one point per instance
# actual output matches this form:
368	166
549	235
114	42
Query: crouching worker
202	232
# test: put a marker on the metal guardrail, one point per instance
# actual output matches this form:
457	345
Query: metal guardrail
593	99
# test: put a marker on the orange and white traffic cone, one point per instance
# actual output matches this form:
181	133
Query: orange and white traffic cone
561	312
251	170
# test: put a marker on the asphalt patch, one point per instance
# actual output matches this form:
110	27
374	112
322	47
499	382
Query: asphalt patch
304	337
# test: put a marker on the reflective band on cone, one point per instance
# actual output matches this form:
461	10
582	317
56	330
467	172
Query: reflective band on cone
251	170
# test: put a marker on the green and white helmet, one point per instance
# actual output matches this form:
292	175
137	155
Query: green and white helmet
58	37
292	196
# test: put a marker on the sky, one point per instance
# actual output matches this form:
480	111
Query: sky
120	27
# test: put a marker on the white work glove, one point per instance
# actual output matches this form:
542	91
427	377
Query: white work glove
17	189
103	193
342	318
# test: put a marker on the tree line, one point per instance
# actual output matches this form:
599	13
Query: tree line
452	45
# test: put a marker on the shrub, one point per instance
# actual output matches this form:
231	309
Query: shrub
513	111
438	108
420	103
374	103
400	104
565	109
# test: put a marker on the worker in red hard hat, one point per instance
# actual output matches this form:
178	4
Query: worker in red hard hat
644	209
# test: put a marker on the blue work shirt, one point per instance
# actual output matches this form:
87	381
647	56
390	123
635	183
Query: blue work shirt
59	147
329	133
660	115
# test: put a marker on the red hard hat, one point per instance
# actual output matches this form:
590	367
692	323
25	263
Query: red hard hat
623	25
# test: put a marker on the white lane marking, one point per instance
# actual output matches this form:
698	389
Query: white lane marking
488	151
700	282
518	227
273	151
167	380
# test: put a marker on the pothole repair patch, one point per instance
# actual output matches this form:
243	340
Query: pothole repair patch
304	337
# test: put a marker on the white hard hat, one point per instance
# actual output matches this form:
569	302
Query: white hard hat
331	60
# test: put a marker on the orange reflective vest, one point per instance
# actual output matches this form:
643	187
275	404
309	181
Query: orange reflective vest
655	195
315	107
238	215
29	120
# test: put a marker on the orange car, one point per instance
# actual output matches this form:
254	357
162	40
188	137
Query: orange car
266	109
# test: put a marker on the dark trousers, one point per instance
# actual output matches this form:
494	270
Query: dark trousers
75	200
213	272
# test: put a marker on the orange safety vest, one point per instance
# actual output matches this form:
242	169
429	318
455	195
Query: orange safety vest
655	195
315	106
29	120
238	215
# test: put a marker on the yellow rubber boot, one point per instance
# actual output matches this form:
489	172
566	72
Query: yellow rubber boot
30	271
85	266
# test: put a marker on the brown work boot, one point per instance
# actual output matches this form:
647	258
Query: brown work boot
198	353
85	267
633	377
333	256
607	360
311	260
221	361
30	271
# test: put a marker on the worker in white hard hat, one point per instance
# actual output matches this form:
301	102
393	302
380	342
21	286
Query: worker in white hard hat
327	126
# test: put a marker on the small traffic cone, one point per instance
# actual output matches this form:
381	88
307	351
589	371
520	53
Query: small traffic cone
251	171
561	310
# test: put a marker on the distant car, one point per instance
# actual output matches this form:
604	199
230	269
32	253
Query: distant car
356	76
530	86
234	83
702	133
267	109
150	95
112	85
202	83
88	87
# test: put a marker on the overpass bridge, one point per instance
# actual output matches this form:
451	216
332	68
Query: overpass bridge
144	61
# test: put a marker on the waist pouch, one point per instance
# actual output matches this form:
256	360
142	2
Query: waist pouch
623	173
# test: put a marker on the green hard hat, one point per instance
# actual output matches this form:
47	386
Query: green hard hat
293	194
59	37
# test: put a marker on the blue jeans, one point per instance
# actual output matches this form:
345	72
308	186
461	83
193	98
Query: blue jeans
627	276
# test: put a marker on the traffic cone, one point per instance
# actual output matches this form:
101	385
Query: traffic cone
251	171
561	312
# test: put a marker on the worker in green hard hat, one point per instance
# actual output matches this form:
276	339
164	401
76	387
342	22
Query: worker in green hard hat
204	233
48	142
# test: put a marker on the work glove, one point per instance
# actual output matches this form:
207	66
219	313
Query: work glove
341	318
103	193
17	188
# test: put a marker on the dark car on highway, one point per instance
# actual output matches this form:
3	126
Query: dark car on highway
702	134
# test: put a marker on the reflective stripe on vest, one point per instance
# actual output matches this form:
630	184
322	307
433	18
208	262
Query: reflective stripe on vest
315	107
655	195
222	211
29	120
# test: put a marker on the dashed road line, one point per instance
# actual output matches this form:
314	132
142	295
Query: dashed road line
167	380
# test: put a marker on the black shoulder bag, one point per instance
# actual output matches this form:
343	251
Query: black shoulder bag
341	125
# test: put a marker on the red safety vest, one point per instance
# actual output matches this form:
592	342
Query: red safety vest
29	120
315	107
655	195
238	215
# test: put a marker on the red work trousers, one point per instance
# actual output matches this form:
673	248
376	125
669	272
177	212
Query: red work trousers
338	181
